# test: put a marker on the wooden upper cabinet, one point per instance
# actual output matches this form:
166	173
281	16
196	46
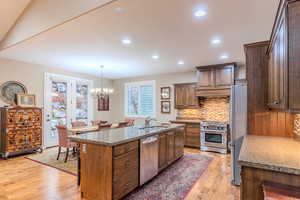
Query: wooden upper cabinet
224	76
205	78
277	67
215	76
185	96
284	59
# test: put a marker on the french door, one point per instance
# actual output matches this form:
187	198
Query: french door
66	99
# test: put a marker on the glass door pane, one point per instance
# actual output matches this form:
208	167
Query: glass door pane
58	106
82	105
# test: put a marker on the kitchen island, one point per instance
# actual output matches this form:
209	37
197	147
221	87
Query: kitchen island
115	162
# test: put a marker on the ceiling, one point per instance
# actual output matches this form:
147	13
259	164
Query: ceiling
166	28
10	10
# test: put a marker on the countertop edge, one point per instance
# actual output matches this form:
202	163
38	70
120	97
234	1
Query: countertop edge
243	161
264	166
123	141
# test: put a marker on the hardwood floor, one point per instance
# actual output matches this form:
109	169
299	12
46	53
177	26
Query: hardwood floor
22	179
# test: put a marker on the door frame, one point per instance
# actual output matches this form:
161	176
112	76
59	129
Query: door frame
70	101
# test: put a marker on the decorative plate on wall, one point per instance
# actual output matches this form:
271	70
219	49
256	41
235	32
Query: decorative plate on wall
9	89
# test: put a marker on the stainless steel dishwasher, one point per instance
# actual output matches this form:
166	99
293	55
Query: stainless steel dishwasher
148	158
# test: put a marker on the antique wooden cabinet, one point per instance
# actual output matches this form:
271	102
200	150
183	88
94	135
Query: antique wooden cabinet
185	96
21	130
284	59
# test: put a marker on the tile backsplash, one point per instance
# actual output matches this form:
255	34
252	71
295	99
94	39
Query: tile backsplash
211	109
297	125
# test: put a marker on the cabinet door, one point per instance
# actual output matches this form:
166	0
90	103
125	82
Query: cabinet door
192	136
277	97
162	152
170	146
191	99
179	142
224	76
185	96
179	97
205	79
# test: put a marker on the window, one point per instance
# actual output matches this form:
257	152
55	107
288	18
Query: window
140	99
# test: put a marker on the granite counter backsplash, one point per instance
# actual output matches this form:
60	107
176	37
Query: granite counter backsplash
211	109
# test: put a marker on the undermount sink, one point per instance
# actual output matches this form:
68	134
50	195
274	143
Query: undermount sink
154	127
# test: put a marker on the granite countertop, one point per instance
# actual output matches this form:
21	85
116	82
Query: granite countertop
186	121
112	137
271	153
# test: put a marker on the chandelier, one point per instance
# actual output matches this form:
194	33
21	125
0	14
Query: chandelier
101	92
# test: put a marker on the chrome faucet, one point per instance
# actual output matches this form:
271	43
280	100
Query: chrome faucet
148	120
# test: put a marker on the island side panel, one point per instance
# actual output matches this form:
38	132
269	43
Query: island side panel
96	171
254	178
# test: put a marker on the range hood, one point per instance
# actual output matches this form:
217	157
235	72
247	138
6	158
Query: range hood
213	92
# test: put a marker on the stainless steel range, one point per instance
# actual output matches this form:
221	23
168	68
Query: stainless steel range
214	136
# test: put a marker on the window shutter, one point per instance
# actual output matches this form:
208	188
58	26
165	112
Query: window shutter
147	104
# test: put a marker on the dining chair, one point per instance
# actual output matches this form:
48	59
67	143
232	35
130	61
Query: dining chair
123	124
64	142
130	121
104	127
78	124
98	122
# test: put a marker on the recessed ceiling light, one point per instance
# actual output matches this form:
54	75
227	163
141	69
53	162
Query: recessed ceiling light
180	62
126	41
224	56
216	41
155	57
200	13
119	9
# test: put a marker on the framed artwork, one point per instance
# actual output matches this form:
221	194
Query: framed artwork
26	100
103	103
166	107
165	93
10	89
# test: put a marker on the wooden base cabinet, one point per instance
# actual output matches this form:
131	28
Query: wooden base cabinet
109	172
21	130
171	147
254	178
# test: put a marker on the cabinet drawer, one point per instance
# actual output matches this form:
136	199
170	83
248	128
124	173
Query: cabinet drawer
125	148
123	185
126	163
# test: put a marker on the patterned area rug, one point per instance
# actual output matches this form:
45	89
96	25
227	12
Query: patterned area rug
48	157
175	182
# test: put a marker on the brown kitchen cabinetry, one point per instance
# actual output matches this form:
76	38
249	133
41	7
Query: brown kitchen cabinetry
191	133
162	152
284	59
179	142
185	96
277	68
215	76
171	145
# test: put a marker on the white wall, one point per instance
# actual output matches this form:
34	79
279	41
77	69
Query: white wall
164	80
32	76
